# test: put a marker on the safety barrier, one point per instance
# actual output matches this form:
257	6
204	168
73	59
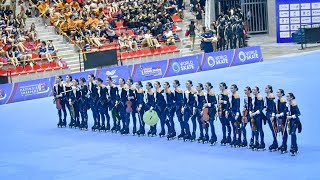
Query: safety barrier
40	88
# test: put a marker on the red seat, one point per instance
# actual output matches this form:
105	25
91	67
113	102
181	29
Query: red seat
176	18
165	49
29	69
37	68
54	65
119	25
173	48
157	51
45	66
3	72
12	71
147	52
131	32
20	70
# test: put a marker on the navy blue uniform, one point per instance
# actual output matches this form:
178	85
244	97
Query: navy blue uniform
83	106
197	110
223	108
150	103
179	101
234	111
140	104
294	124
58	89
76	95
93	101
282	116
212	102
160	106
132	93
113	100
103	104
170	109
122	104
189	102
258	107
248	107
270	112
67	99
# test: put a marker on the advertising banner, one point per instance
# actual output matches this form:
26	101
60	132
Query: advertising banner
147	71
79	75
247	55
115	73
217	60
293	14
5	93
183	65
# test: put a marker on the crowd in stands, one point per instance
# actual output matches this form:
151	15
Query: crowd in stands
99	23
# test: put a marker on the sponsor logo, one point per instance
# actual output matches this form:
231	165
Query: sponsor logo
34	89
216	60
3	95
112	74
176	67
182	66
151	71
249	55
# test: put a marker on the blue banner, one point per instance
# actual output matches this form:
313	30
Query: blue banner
148	71
217	60
293	14
5	93
79	75
247	55
183	65
115	73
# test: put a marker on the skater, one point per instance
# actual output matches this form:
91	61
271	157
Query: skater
58	92
113	102
169	110
150	105
140	108
131	107
223	111
248	107
294	123
211	104
257	116
240	34
187	110
281	117
93	100
76	94
221	34
197	112
178	101
229	35
122	105
83	104
103	106
68	100
160	105
270	116
234	116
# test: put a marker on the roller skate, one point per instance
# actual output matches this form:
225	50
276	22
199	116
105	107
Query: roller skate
154	132
205	139
172	135
283	149
294	150
95	127
180	136
149	133
223	141
187	137
141	132
77	125
193	137
213	141
72	123
233	142
102	128
262	147
273	147
244	143
134	131
238	143
64	123
114	129
251	145
228	140
108	127
59	125
162	134
200	139
125	132
256	146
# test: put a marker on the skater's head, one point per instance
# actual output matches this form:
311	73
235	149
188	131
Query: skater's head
176	83
223	86
280	93
59	79
157	85
208	86
139	85
82	81
234	88
290	97
121	81
247	90
268	89
166	85
129	82
189	84
109	80
91	77
75	82
199	87
149	85
256	90
99	81
68	78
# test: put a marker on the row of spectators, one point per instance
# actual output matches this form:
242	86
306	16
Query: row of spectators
94	23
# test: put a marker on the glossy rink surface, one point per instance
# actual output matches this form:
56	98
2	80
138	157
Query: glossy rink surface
33	148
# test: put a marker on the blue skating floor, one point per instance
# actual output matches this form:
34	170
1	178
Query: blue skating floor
33	148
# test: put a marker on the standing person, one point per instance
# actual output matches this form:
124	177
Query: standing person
187	109
160	105
211	102
113	102
76	94
58	92
240	34
140	107
229	35
221	35
234	116
257	118
133	103
103	105
83	104
93	100
198	13
169	111
281	119
197	110
270	116
150	105
178	101
248	107
68	99
207	38
192	34
293	122
223	111
123	99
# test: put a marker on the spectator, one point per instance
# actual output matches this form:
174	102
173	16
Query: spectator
207	39
192	34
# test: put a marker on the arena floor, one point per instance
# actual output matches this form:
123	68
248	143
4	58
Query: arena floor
33	148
